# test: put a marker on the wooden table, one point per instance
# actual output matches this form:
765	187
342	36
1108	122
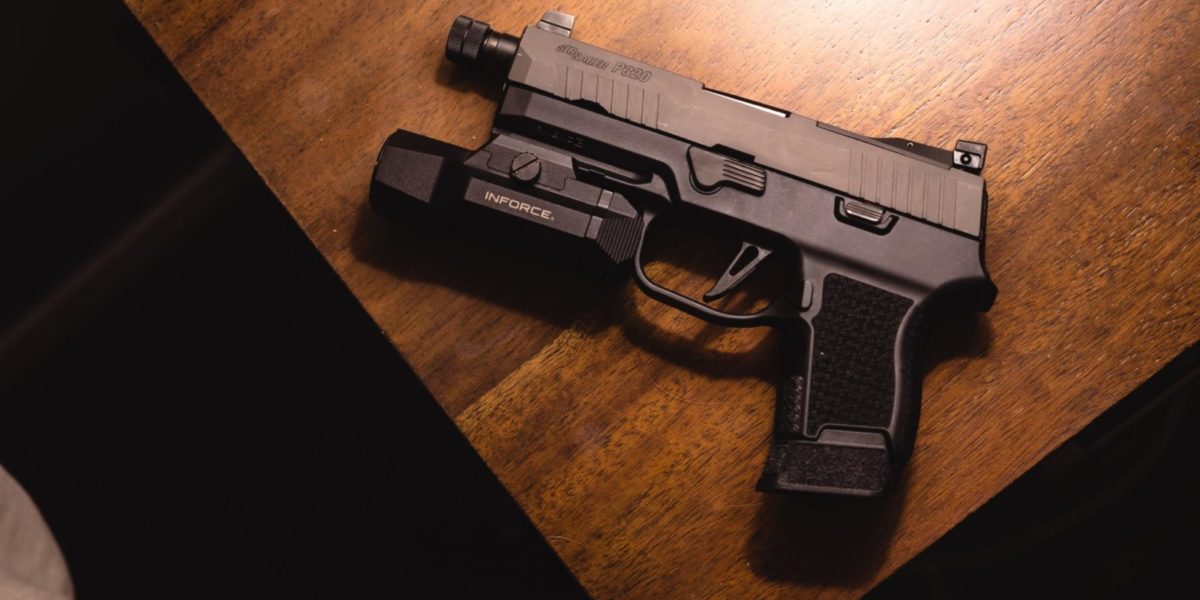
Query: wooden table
632	434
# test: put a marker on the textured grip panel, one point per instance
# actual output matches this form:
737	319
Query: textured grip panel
851	470
854	340
847	381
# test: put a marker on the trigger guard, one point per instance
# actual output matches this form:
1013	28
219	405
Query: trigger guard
774	313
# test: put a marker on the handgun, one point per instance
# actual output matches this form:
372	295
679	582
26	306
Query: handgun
589	148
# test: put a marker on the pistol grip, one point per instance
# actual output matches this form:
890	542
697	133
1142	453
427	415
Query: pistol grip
847	409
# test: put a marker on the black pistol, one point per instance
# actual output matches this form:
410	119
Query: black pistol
590	147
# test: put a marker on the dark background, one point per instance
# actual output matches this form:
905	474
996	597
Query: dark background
198	405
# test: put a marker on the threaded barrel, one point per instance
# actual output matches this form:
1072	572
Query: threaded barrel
473	43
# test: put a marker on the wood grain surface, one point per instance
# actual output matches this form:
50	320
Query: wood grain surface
632	434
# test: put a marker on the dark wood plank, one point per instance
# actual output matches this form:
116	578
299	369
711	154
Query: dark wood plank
632	434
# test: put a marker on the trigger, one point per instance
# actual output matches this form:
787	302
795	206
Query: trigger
743	265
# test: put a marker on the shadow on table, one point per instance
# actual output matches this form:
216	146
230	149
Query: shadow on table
955	333
483	267
554	289
481	83
815	540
